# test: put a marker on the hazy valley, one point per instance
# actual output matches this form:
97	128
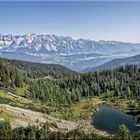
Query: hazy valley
77	55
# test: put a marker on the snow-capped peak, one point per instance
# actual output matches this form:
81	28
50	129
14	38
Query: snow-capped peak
57	44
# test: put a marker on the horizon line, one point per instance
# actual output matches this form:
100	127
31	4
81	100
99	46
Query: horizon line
66	36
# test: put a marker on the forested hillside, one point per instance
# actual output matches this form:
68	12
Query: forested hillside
50	82
118	62
55	88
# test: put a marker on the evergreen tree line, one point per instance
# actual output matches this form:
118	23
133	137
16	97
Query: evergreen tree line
49	90
10	76
36	133
122	82
66	87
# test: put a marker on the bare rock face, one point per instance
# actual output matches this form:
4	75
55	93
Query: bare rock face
25	117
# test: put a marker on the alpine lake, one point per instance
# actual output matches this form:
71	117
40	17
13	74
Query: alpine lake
108	119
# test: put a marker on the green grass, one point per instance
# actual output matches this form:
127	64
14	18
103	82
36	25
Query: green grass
81	110
125	105
4	114
16	100
20	91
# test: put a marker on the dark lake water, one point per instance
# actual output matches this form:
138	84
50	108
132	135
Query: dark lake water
109	118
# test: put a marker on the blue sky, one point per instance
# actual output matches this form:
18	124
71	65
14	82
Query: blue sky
90	20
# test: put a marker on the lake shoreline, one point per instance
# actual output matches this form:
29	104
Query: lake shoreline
97	131
118	118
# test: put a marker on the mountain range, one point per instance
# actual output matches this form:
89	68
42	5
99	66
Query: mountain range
75	54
